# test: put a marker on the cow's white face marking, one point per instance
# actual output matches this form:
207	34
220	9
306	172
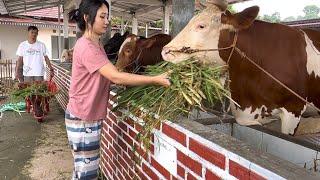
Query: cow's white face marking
313	57
202	32
124	43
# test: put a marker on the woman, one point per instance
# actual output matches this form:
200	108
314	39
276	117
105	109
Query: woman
91	76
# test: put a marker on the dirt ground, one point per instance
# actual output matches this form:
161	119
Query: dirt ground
32	150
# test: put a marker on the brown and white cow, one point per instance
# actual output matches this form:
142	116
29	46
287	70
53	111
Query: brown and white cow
289	54
136	53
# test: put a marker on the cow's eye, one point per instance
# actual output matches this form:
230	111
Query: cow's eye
201	26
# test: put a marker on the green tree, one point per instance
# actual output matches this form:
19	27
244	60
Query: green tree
290	18
311	12
275	17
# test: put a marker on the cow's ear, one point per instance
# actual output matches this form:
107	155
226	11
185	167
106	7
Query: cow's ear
241	20
147	43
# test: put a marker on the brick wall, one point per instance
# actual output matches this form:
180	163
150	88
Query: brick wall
192	156
181	150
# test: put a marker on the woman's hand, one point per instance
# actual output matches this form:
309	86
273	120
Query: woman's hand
162	80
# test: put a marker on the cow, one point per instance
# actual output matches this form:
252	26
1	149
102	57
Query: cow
113	45
291	55
136	53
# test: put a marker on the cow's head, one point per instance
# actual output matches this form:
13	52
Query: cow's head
203	32
113	45
130	52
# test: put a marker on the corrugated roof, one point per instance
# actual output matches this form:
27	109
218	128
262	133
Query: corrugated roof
144	10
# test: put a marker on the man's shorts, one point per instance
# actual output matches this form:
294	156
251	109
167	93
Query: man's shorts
33	78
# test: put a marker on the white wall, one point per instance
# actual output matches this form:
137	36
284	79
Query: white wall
11	36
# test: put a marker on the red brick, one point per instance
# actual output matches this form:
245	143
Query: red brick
123	126
140	174
109	122
173	178
113	150
116	129
191	177
190	163
174	134
128	160
180	171
113	134
255	176
151	149
128	139
113	118
108	137
115	177
238	171
118	113
105	141
132	134
149	172
208	154
117	147
122	144
160	168
115	161
121	176
109	168
138	127
129	121
127	176
108	152
123	162
105	126
211	176
113	166
141	152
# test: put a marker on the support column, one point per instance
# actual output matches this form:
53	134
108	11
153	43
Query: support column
166	18
183	11
66	28
59	31
122	26
147	28
134	25
78	31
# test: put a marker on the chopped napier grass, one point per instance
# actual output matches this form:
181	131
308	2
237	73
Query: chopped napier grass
37	88
192	84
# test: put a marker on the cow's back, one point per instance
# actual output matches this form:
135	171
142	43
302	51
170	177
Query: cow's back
278	49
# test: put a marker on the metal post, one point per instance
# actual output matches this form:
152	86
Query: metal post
59	33
147	27
66	28
166	18
122	26
134	25
183	11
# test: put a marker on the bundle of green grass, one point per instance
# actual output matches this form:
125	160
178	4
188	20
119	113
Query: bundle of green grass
192	85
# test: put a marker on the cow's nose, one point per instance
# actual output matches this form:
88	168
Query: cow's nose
166	53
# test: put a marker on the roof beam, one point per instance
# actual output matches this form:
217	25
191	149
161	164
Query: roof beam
143	11
39	2
145	2
3	7
30	9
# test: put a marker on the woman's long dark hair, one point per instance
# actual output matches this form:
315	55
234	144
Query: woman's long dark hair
87	7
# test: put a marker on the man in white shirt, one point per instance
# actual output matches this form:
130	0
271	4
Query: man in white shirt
31	54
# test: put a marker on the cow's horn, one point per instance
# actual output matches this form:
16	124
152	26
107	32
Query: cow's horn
222	4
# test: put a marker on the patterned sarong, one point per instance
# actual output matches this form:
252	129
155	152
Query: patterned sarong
84	139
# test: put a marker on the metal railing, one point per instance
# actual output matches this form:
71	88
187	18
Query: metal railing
6	77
